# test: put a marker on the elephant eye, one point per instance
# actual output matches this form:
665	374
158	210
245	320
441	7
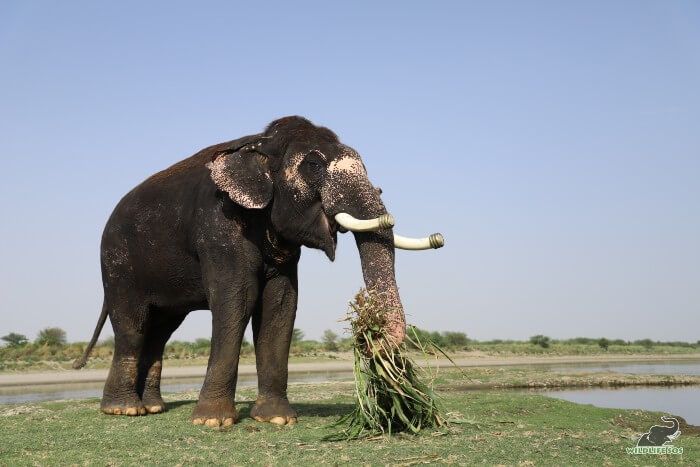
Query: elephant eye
314	166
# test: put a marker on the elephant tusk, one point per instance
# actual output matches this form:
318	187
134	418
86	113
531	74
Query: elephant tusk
436	240
385	221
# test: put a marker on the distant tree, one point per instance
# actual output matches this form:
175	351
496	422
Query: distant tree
297	336
646	343
51	336
603	343
539	339
14	340
330	340
202	343
455	339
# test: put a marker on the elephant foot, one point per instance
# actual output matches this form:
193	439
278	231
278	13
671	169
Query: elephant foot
130	406
276	411
215	413
153	404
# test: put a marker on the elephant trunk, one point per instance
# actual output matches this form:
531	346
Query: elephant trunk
348	191
377	258
674	423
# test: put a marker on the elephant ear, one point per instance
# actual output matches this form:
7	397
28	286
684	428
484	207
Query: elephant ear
245	176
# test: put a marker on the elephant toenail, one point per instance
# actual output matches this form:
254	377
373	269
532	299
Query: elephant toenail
154	409
228	421
198	421
278	420
213	422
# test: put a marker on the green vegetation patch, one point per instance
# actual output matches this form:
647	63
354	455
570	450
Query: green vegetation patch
502	428
392	394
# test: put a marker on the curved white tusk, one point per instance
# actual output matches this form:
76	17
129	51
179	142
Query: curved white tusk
385	221
436	240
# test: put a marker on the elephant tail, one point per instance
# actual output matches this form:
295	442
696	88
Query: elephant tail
80	362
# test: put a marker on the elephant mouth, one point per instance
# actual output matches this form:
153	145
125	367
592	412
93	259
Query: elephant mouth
332	227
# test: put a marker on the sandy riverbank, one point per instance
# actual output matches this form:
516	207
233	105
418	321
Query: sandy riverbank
172	372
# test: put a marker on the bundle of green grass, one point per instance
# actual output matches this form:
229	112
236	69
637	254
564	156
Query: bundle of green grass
390	393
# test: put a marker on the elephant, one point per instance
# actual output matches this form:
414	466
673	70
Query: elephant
222	230
659	435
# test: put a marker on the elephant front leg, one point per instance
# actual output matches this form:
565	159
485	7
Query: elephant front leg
273	322
231	310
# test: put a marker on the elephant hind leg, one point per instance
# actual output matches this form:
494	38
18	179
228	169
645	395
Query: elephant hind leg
120	395
161	327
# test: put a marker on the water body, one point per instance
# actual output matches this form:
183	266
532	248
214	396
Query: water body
683	401
54	392
659	367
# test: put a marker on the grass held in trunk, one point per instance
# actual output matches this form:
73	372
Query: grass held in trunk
390	396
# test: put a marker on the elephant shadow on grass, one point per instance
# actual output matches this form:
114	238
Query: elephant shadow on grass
304	409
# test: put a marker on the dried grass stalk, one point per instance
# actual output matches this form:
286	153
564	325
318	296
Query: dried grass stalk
390	395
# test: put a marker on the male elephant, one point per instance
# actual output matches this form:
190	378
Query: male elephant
222	230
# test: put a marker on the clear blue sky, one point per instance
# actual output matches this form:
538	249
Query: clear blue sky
556	145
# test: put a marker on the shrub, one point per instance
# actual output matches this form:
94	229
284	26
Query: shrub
51	336
455	339
202	344
329	340
580	340
539	339
603	343
305	347
646	343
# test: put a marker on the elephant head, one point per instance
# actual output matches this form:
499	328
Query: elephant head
658	435
305	177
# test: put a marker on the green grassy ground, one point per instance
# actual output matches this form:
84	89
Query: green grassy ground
502	428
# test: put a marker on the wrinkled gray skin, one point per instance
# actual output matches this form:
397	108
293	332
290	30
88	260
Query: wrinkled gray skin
222	230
